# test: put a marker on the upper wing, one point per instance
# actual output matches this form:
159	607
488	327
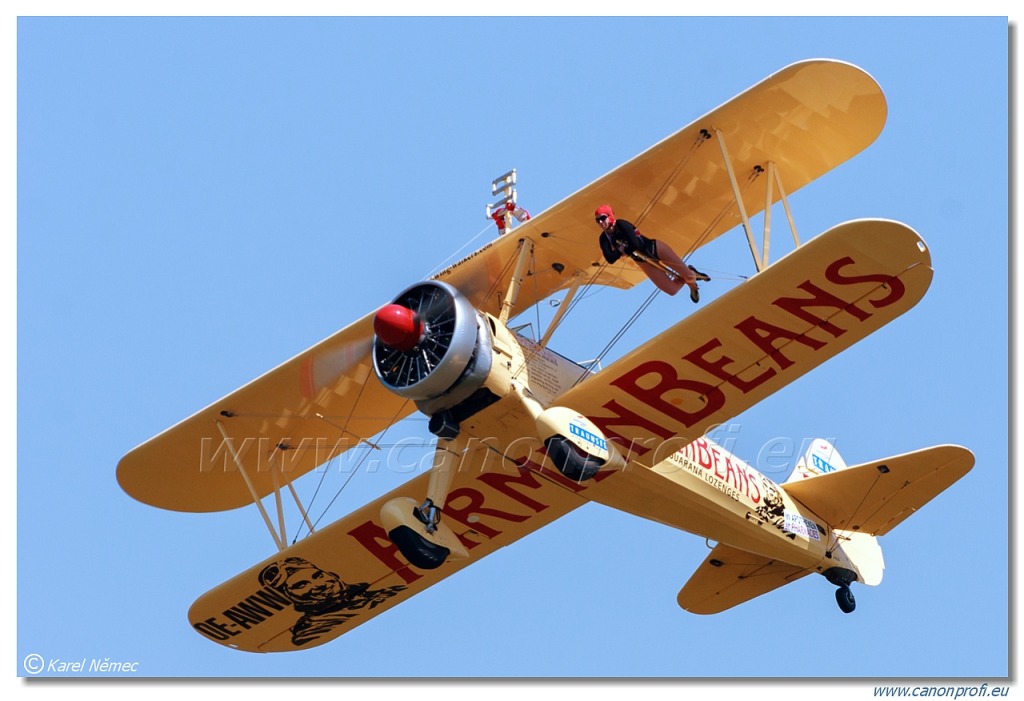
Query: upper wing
761	335
806	119
729	576
292	419
876	497
347	573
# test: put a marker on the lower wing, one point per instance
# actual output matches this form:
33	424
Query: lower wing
345	574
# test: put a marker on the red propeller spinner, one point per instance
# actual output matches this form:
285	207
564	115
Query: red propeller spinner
398	327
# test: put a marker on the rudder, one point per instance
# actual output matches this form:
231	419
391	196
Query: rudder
820	459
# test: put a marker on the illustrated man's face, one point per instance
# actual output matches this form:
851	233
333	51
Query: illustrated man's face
312	585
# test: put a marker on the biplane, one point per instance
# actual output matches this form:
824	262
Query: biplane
524	435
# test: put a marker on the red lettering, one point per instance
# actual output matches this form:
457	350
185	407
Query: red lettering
764	335
475	506
819	298
503	483
716	457
624	417
701	454
730	473
895	286
756	498
462	515
376	542
718	367
667	381
669	448
744	477
552	474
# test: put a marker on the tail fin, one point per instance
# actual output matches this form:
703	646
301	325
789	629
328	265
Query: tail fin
820	459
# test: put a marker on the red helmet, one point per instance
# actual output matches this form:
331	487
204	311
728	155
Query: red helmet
605	211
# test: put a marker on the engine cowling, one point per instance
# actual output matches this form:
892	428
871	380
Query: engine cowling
431	346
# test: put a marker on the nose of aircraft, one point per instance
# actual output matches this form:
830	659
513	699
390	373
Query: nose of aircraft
398	327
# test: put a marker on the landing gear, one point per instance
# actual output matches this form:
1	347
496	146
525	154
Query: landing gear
844	597
842	578
416	529
419	534
570	460
419	551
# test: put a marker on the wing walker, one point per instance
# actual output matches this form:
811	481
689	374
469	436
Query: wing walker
525	435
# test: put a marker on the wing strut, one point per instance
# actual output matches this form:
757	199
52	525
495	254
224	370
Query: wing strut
562	308
278	538
525	251
773	177
302	510
738	197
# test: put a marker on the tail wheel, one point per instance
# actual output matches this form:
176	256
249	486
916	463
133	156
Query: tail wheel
570	460
844	597
419	551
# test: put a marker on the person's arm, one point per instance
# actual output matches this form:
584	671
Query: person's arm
611	254
626	233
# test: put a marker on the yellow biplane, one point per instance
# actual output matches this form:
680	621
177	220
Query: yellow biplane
524	435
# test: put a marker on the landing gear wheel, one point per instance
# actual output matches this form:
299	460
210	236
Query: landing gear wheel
570	461
844	597
419	551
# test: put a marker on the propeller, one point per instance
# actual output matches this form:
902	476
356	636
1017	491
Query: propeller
424	340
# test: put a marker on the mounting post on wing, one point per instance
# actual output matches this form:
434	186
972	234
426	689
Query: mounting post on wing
279	453
767	214
785	201
525	253
563	307
773	179
301	508
739	200
278	539
277	496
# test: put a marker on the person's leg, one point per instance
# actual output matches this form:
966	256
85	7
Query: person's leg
672	260
668	285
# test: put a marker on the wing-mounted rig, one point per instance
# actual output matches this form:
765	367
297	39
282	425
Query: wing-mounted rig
464	368
507	208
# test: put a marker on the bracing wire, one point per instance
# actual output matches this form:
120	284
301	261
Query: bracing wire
355	469
618	336
704	136
442	264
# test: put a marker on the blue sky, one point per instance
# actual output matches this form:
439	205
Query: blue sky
199	199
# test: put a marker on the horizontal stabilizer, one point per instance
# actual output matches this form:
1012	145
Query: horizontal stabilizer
729	576
877	496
